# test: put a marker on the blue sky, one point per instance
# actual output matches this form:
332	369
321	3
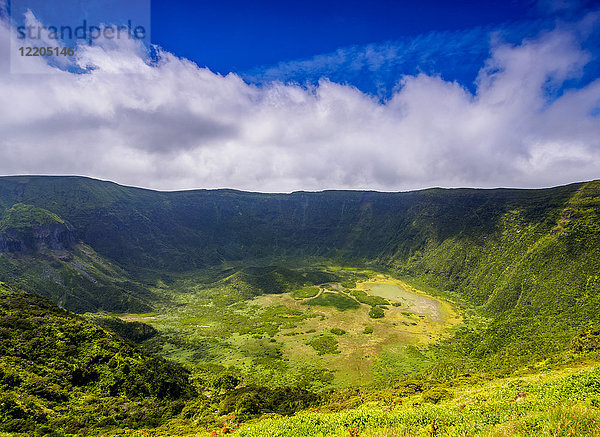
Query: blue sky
280	96
240	35
366	44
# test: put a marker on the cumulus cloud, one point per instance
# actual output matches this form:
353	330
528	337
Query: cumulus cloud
168	124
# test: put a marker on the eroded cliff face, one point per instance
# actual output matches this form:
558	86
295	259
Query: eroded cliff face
55	236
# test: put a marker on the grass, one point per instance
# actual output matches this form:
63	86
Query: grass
369	299
339	301
324	344
559	403
265	339
305	293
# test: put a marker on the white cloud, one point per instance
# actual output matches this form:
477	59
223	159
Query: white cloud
173	125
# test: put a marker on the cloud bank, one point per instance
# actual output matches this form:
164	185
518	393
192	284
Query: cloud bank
167	124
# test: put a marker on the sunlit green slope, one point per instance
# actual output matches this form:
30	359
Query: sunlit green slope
59	372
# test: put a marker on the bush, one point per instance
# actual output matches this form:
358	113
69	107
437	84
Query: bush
305	293
435	395
588	340
324	344
225	382
368	299
252	401
337	300
348	283
376	313
337	331
368	330
134	331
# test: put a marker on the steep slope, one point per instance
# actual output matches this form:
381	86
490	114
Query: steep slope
60	372
39	252
181	231
537	276
544	230
504	249
25	228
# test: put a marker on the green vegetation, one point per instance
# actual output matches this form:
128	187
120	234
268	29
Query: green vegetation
305	293
588	340
348	283
546	406
248	402
79	281
264	339
324	344
21	216
60	372
368	299
233	283
376	313
339	301
61	375
136	332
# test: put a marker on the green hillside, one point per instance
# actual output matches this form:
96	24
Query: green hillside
263	296
525	258
21	216
536	276
40	252
181	231
61	374
79	280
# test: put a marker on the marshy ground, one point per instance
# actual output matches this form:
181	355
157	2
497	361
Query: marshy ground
322	332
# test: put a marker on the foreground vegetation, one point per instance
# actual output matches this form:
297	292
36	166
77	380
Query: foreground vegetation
61	374
565	403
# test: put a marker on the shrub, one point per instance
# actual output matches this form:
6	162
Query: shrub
252	401
337	331
324	344
337	300
305	293
368	299
225	382
435	395
376	313
134	331
588	340
348	283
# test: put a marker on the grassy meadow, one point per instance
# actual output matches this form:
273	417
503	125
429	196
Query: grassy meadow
322	332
